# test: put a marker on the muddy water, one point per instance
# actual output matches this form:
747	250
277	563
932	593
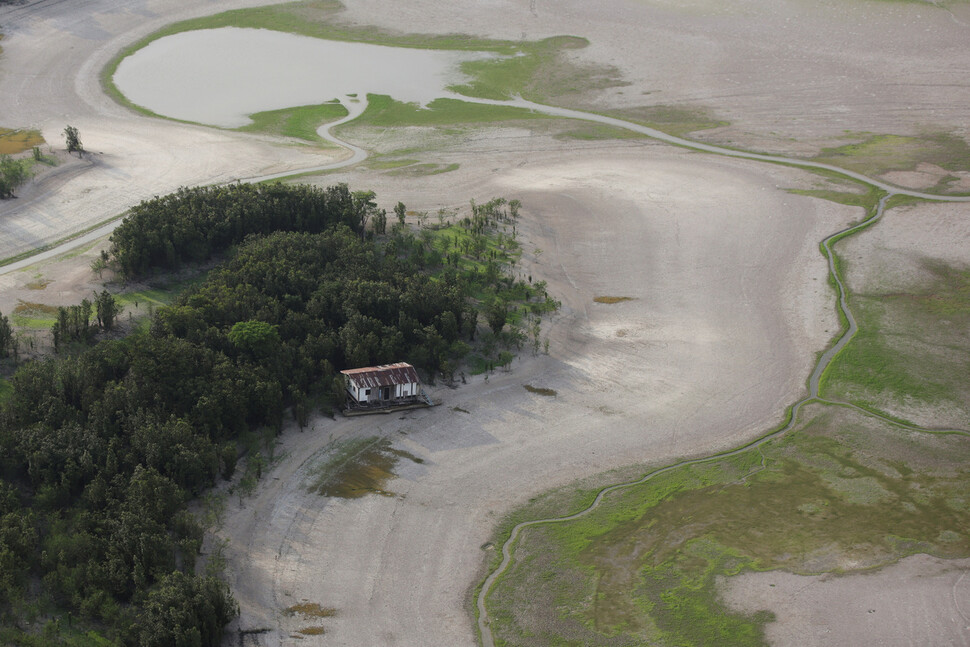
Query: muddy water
219	76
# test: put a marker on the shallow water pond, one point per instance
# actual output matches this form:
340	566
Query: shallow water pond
219	76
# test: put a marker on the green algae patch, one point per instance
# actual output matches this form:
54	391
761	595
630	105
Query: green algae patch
310	610
612	300
538	390
359	467
18	140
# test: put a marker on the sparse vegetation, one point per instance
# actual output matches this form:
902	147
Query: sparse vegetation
539	390
18	140
673	120
357	467
874	155
611	300
829	493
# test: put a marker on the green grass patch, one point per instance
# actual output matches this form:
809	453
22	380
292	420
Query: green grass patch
909	350
37	316
300	123
643	567
18	140
874	155
539	73
383	111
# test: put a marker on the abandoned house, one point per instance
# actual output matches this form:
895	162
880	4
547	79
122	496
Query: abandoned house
387	385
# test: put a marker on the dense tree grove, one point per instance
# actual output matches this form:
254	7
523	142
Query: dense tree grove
101	445
13	173
192	225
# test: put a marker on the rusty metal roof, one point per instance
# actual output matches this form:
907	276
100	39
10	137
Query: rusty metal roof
385	375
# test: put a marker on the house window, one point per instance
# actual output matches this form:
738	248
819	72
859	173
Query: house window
366	391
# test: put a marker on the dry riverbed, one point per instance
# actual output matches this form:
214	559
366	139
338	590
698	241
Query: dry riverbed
728	295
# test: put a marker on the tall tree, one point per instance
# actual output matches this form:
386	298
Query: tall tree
73	140
497	314
6	336
364	206
107	309
13	173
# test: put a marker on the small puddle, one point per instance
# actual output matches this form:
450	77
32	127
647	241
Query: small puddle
360	468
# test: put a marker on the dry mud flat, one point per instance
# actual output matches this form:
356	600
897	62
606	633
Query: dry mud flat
919	601
728	301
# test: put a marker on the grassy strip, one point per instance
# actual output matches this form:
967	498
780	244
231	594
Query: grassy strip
383	111
300	123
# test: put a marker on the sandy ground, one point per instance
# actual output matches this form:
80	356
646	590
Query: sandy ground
730	300
720	265
834	610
